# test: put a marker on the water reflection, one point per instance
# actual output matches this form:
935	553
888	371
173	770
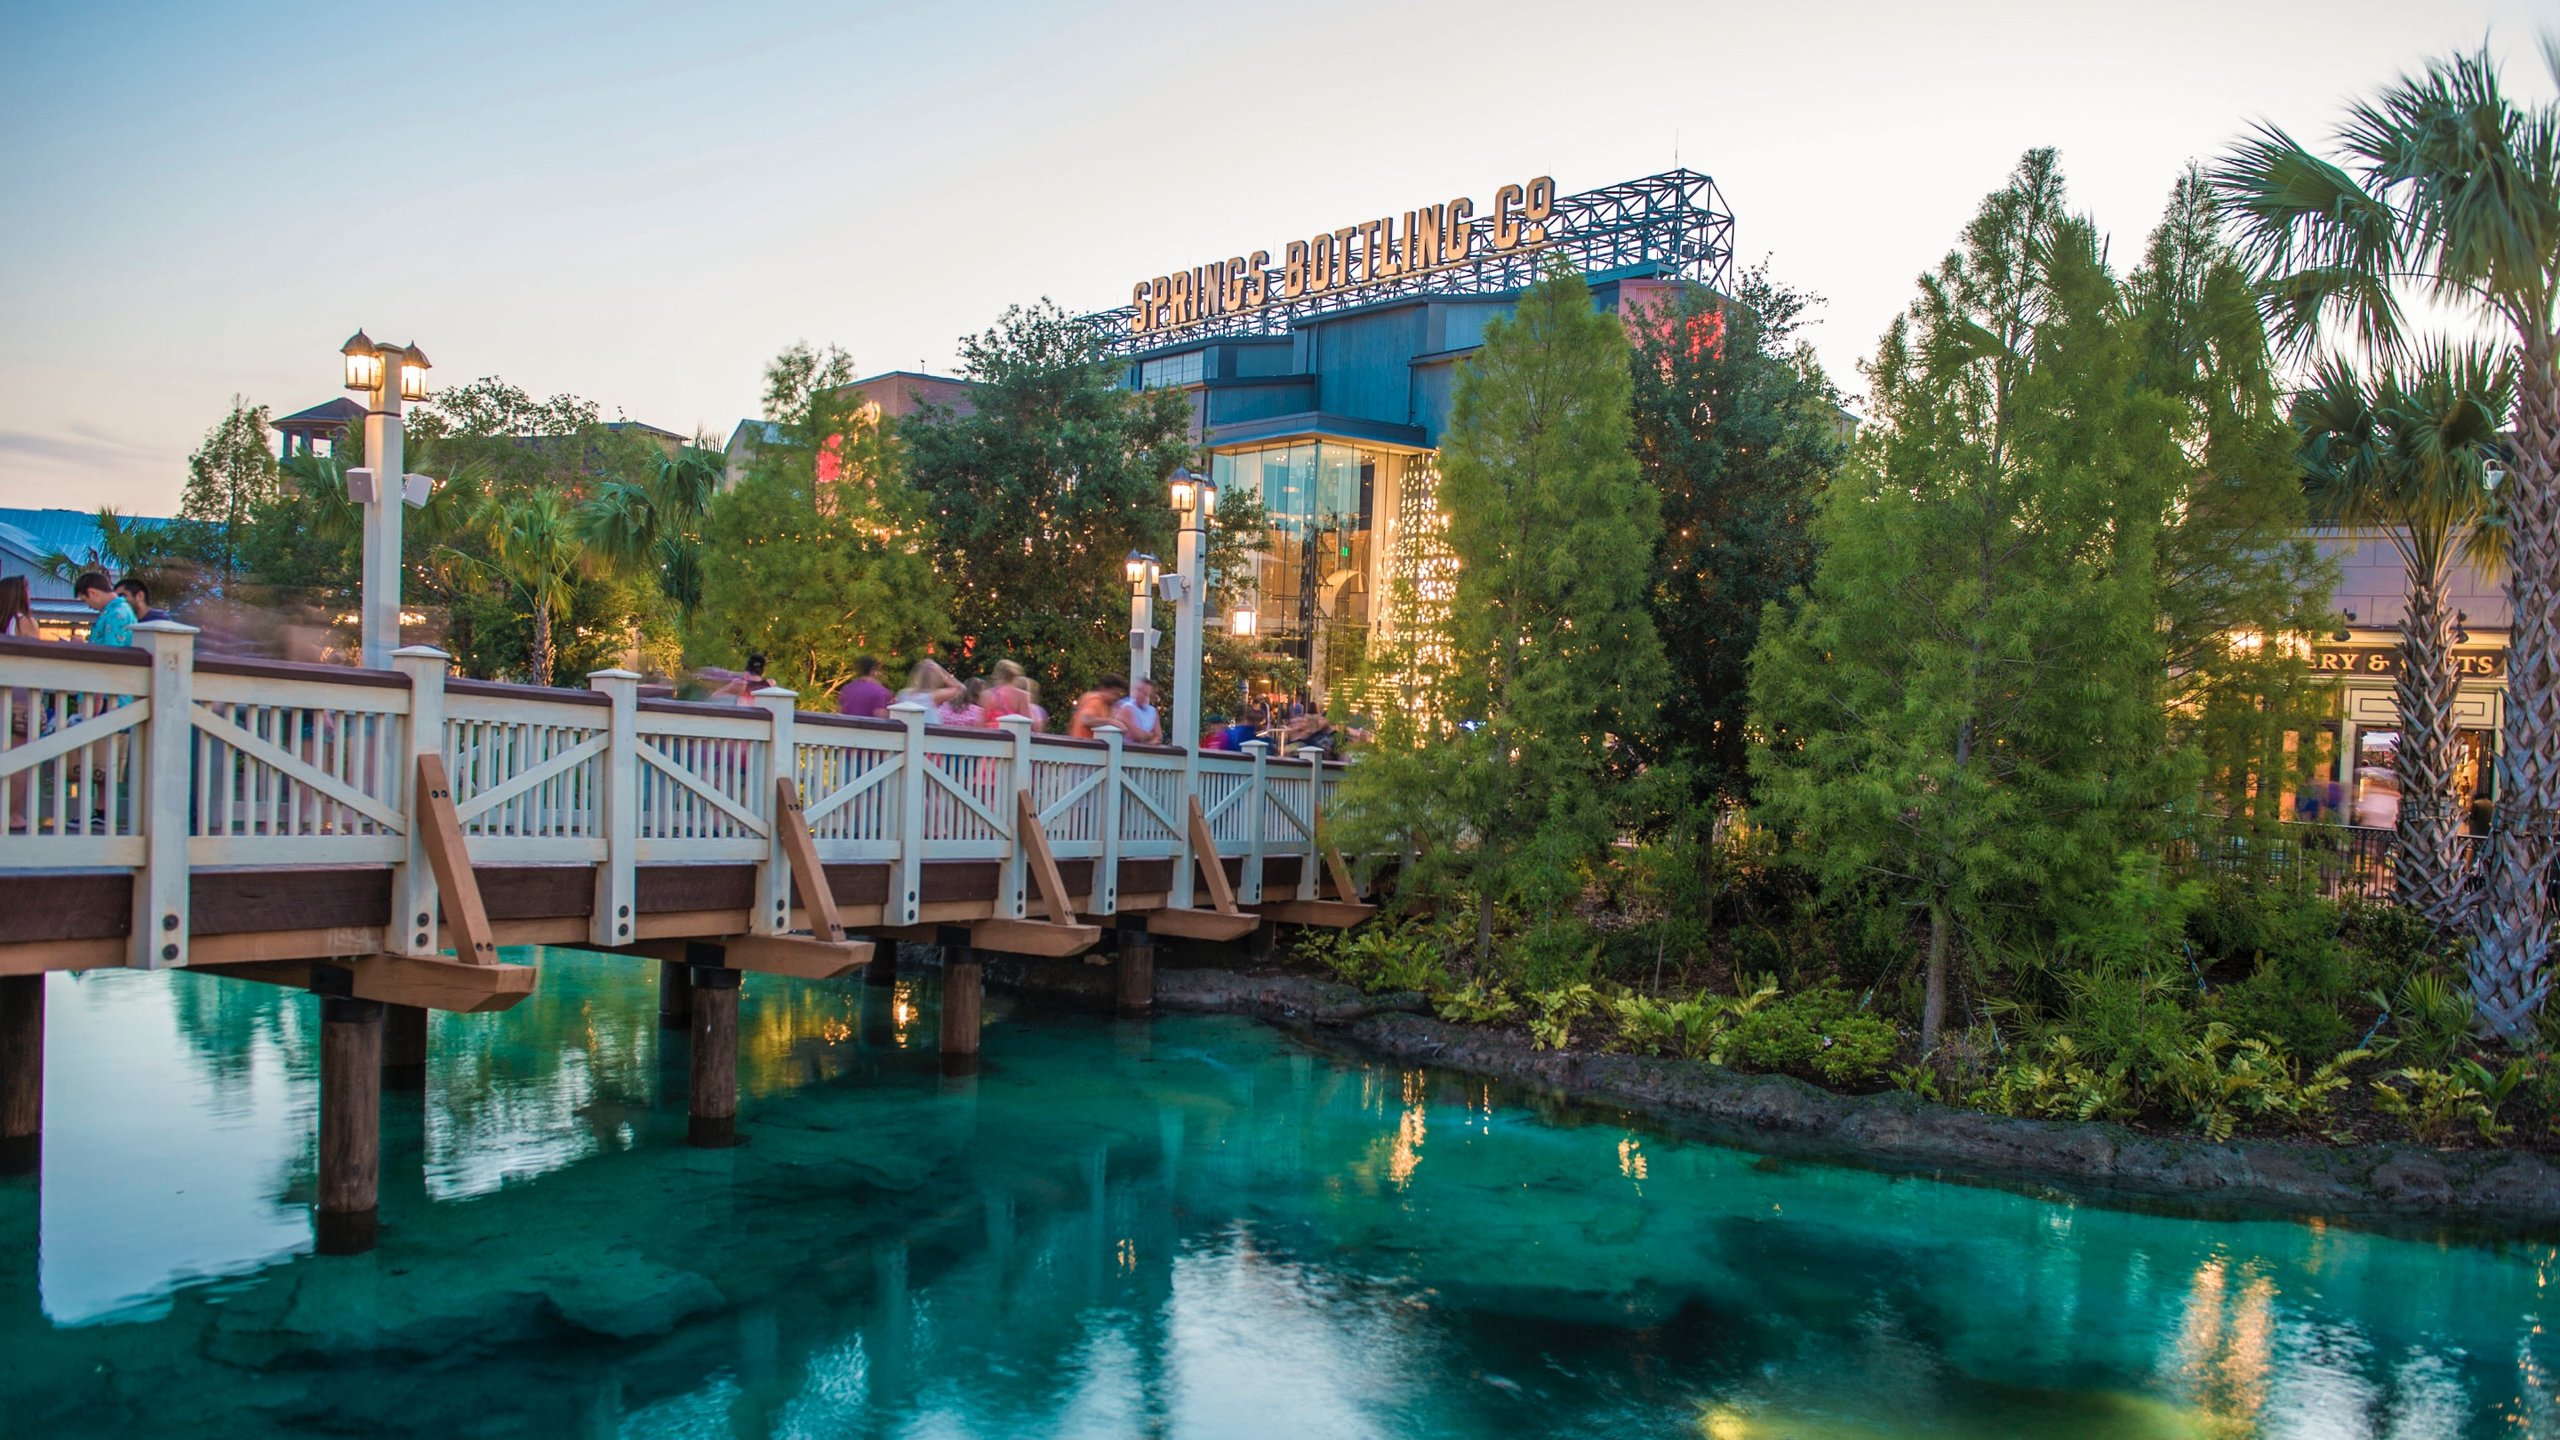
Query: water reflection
1188	1227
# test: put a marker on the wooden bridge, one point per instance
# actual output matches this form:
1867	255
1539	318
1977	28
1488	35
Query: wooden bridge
376	836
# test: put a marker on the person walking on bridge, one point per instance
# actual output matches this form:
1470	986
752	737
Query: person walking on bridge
1096	706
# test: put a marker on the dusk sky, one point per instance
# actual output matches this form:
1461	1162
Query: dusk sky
641	203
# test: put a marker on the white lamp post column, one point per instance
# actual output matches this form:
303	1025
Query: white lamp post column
386	375
1142	571
1195	504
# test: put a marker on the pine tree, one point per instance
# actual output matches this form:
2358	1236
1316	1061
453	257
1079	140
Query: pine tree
1552	659
228	477
2240	583
1965	716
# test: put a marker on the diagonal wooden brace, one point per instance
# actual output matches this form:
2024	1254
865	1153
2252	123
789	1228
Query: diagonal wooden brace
441	828
1034	842
808	877
1204	848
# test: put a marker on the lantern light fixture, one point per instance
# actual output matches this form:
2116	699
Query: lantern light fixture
1140	568
1186	491
364	362
413	373
1241	624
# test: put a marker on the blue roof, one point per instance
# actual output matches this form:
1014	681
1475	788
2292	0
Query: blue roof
69	532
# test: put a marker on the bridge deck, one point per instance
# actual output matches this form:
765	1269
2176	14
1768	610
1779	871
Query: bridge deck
168	809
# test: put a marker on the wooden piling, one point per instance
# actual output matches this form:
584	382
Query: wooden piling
963	1002
350	1123
883	969
1259	944
675	994
712	1097
1137	966
404	1047
21	1073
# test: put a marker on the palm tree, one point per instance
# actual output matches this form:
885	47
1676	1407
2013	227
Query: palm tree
536	547
2410	458
121	548
2455	189
654	525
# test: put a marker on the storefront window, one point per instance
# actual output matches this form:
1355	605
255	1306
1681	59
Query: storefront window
1312	592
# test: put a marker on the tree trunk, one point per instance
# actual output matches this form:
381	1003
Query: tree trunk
541	644
2511	927
2426	873
1933	1007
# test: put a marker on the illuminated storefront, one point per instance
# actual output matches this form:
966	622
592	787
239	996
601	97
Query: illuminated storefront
1320	372
2363	658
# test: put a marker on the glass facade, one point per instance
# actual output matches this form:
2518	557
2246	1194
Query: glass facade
1318	577
1184	369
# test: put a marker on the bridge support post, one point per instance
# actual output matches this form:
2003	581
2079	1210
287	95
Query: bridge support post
675	995
350	1123
712	1097
1258	945
1136	968
21	1073
404	1047
963	1002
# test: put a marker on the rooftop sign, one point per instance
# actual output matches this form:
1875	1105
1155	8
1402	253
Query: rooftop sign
1668	226
1444	236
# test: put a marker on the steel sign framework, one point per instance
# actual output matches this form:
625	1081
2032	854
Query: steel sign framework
1671	224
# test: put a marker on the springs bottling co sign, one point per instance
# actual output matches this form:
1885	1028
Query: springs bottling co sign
1432	237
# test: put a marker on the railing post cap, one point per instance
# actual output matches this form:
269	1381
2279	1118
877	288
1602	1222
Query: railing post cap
613	674
776	692
912	707
419	652
164	627
1014	722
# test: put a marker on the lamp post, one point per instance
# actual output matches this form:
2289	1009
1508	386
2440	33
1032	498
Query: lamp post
1195	504
387	375
1142	571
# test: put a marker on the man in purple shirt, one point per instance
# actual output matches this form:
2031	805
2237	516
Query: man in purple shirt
865	698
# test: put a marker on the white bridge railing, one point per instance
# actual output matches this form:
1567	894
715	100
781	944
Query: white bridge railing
151	759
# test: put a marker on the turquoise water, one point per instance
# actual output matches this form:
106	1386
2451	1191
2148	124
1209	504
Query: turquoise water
1184	1227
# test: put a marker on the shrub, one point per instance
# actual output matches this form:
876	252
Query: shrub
1815	1032
1558	951
1555	1011
2429	1017
2437	1104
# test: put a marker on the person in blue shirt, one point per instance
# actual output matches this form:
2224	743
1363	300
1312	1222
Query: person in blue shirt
114	625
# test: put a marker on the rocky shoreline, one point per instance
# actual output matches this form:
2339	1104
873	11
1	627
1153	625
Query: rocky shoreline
2508	1191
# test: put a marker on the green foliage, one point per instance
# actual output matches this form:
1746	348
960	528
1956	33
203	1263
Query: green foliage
1818	1032
822	548
1033	500
2001	528
1738	429
2054	1083
1551	656
2430	1017
2298	978
2219	1076
2437	1104
2234	558
1410	954
1476	1003
229	476
1553	1013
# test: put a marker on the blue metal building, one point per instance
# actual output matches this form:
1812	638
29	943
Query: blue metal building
1323	384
